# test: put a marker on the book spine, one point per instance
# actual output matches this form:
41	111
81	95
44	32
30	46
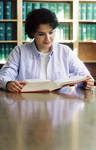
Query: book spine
35	5
88	31
80	8
60	11
28	7
6	51
2	31
89	11
8	32
7	10
83	11
80	33
67	11
83	32
94	12
93	32
67	31
44	5
57	37
2	52
71	31
23	32
1	10
24	10
63	32
52	7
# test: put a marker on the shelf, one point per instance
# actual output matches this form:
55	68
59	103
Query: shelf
8	41
89	21
8	20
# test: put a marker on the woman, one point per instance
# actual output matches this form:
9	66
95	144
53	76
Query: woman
42	58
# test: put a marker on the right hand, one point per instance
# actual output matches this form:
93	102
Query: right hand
15	86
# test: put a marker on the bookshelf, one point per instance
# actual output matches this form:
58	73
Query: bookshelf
84	49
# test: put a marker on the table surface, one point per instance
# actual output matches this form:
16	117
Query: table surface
64	120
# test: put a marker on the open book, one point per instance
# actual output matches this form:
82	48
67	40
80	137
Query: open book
37	85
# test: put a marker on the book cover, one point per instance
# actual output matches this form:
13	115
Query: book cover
2	31
35	5
28	7
94	12
67	10
7	10
60	11
89	9
24	11
83	11
37	85
8	31
1	10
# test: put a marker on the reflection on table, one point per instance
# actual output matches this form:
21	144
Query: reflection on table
48	121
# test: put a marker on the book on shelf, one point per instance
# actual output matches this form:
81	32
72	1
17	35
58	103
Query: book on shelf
94	12
52	7
88	32
7	9
35	5
44	5
83	32
1	10
24	10
37	85
2	31
5	49
2	51
67	10
28	7
93	32
8	31
83	11
60	11
89	8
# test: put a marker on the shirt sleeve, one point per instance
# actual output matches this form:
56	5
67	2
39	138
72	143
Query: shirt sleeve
77	67
9	71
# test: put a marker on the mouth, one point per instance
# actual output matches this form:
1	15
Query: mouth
47	43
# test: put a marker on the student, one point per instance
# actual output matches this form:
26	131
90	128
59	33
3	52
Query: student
42	58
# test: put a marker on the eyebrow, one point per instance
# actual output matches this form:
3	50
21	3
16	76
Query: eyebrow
44	32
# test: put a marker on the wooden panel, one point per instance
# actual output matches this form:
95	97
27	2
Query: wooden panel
92	68
87	51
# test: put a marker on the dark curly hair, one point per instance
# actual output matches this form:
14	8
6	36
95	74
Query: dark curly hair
37	17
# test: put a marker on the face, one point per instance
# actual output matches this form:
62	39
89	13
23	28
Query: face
44	37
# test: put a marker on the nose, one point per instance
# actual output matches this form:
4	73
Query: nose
47	37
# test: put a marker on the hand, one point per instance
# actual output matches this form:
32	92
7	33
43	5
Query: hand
15	86
89	83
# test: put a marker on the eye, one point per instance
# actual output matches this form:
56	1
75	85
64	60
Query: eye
40	34
50	32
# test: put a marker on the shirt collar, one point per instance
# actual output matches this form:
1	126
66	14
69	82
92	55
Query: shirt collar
36	53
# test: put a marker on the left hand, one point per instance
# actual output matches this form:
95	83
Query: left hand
89	83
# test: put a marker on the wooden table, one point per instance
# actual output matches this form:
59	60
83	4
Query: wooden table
64	120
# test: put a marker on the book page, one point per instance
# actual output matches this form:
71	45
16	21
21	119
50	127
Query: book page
70	80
